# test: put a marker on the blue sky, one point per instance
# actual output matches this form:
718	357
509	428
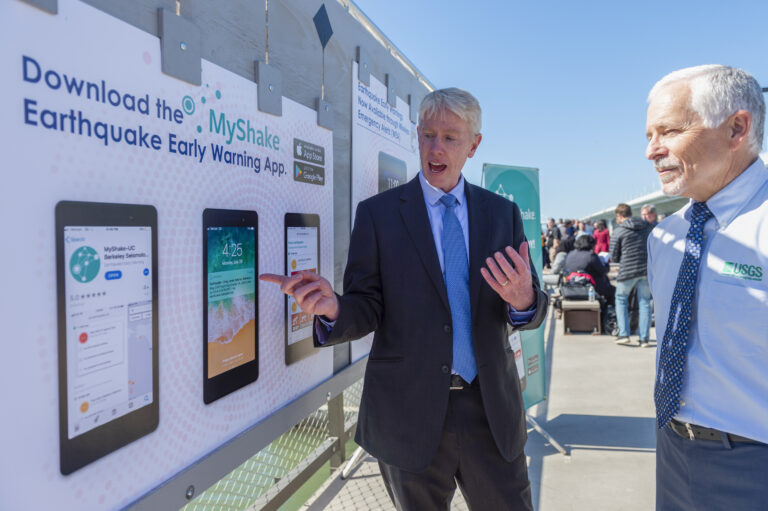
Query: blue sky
563	84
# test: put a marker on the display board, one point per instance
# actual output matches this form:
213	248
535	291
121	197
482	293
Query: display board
385	151
521	185
87	116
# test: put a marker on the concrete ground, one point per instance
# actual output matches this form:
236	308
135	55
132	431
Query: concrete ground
600	408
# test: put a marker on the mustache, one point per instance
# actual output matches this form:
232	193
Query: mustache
666	162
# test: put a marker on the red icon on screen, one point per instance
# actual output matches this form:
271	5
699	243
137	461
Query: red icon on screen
83	338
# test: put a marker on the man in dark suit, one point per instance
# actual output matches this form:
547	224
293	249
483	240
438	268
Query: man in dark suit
432	270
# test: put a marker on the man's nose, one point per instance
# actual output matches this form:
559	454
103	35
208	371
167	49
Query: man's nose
654	149
436	147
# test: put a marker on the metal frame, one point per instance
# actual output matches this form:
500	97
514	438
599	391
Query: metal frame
183	487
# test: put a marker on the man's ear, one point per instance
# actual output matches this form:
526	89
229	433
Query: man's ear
738	128
475	143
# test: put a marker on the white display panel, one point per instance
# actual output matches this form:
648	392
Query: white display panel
385	152
165	143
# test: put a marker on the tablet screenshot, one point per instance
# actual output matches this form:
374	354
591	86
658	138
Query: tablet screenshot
108	310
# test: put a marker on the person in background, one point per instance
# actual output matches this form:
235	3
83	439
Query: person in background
628	248
583	259
570	230
648	212
708	266
561	226
562	247
545	261
581	229
553	233
602	237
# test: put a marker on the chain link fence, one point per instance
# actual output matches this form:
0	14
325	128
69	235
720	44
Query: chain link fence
239	489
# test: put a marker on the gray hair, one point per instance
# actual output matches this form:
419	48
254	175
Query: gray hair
458	101
719	91
650	207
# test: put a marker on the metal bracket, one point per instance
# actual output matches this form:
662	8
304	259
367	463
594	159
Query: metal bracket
324	114
270	88
391	90
180	47
51	6
414	108
363	66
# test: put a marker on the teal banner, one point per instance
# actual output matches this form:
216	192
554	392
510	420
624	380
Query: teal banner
521	185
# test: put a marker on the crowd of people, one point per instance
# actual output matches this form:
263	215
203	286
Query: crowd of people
573	248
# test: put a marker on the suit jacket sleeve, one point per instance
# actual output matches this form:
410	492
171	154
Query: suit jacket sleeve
361	306
541	298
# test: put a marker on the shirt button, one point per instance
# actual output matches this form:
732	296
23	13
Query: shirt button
445	369
447	328
682	403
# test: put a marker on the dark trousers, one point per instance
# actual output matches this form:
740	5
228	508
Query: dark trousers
467	455
709	475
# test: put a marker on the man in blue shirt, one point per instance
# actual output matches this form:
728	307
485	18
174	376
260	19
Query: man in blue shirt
439	269
707	270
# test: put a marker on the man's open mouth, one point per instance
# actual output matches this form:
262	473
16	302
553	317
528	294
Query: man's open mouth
437	167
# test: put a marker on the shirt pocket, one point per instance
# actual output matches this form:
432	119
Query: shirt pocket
741	305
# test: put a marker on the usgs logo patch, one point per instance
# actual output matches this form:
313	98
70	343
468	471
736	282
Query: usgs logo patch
742	271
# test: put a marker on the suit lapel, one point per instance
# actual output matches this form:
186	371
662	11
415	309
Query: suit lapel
414	214
479	237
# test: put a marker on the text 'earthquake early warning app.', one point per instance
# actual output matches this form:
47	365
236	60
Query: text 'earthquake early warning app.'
301	256
108	286
231	298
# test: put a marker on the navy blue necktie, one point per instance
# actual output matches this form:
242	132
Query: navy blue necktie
669	377
457	285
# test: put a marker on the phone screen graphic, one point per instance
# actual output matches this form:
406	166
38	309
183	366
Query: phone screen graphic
230	301
302	253
231	298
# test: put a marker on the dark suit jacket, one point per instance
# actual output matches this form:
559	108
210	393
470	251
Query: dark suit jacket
393	285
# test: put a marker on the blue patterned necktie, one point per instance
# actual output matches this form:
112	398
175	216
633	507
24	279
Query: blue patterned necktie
669	377
457	284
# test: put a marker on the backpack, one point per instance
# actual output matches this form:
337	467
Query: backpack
577	286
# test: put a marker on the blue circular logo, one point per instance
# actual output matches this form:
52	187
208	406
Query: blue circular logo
188	104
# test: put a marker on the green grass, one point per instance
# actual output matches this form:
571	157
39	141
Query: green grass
316	481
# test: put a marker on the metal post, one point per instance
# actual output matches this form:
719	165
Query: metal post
336	429
546	435
354	460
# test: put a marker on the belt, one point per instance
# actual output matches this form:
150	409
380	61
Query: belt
459	383
693	431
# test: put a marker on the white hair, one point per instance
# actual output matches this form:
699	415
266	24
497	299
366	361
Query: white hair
717	92
458	101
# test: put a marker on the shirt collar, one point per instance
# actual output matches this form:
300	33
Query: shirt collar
432	194
727	203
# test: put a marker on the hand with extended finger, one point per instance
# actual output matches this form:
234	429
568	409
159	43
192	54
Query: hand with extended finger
511	278
313	293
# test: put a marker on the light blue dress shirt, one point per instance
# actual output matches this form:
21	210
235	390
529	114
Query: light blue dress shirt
725	385
436	210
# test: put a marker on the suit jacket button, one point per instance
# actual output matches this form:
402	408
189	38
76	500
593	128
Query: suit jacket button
445	369
447	329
